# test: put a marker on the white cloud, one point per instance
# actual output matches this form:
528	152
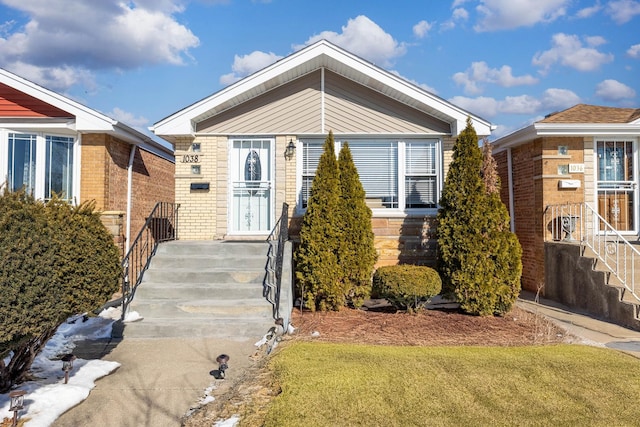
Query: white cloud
622	11
363	37
248	64
594	41
421	29
568	50
109	34
634	51
54	78
483	106
551	100
479	72
589	11
459	15
128	118
508	14
613	90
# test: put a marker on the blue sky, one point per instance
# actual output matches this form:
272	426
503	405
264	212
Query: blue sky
508	61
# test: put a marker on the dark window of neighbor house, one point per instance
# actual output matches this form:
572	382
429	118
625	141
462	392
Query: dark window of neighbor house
396	175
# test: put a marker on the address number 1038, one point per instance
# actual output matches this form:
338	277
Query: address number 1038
191	158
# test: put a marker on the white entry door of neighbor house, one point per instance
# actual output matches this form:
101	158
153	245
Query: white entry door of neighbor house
251	186
617	183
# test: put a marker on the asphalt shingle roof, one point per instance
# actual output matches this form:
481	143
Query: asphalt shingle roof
584	113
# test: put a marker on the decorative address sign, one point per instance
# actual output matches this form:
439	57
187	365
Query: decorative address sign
190	158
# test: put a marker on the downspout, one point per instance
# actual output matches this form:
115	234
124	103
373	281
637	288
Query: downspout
129	195
511	203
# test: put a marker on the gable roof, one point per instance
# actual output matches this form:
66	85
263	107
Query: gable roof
321	54
579	120
79	118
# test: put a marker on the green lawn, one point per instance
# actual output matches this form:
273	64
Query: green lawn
356	385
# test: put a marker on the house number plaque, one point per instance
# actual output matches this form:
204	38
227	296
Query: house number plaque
191	158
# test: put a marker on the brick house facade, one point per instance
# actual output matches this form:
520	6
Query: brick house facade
232	174
578	146
51	144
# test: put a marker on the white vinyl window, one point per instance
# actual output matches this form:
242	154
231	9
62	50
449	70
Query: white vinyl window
41	164
22	162
59	167
396	175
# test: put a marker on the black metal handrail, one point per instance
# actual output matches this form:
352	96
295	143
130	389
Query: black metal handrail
161	226
273	280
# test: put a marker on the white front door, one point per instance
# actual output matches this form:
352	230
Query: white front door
251	187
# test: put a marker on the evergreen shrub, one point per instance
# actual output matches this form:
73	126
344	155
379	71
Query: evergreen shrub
357	254
480	259
319	277
58	260
406	287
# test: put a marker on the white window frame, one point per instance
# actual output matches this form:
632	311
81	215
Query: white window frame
41	149
636	176
401	210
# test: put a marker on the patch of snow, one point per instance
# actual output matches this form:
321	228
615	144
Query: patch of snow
132	316
48	397
262	341
231	422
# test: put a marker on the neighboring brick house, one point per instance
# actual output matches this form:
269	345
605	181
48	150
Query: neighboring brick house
243	151
585	154
52	144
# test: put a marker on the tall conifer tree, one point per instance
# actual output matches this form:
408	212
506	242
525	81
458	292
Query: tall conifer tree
357	254
479	258
318	273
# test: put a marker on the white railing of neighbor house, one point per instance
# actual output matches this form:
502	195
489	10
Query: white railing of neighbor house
580	223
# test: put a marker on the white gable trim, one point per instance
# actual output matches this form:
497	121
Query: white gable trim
318	56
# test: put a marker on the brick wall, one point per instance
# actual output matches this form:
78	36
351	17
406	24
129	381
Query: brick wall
535	186
104	178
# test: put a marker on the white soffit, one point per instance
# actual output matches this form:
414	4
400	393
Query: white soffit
566	129
318	55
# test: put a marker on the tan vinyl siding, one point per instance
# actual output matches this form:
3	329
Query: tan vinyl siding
295	106
353	108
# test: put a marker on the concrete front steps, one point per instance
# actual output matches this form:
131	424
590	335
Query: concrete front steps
203	289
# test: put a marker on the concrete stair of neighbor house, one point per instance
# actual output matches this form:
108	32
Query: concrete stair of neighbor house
611	280
203	289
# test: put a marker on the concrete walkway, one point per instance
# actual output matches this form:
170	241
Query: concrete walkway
587	329
159	380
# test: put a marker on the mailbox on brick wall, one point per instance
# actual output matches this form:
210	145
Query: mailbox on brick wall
200	186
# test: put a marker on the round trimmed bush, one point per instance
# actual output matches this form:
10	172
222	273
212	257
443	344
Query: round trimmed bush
406	287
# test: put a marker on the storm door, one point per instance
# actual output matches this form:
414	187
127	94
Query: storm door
250	210
617	188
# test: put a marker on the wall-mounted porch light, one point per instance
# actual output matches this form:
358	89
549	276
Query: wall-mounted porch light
290	151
